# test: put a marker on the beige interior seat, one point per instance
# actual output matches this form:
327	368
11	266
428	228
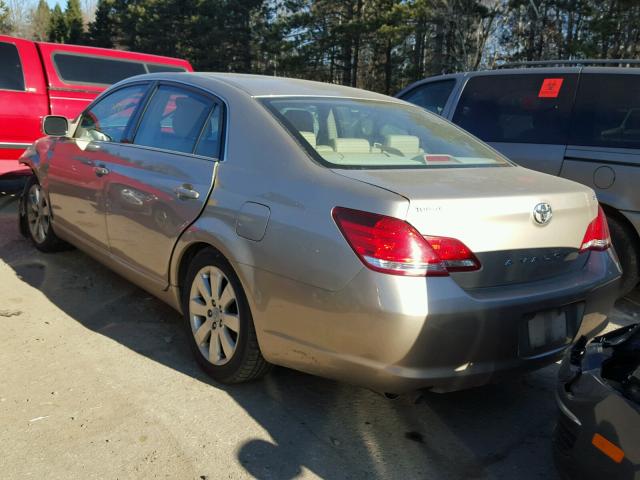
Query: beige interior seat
309	137
406	144
350	145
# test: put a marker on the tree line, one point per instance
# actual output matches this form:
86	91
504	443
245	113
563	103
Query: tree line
380	45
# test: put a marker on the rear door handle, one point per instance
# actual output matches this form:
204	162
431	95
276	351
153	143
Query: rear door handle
101	171
186	192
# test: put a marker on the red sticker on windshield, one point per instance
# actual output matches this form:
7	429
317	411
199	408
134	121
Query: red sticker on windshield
550	88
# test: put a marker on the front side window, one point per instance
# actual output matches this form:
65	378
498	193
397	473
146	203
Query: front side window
11	77
108	119
433	96
607	111
521	108
174	120
350	133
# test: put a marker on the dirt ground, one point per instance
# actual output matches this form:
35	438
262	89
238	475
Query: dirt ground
97	381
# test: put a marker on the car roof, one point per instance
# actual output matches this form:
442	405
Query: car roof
524	71
267	86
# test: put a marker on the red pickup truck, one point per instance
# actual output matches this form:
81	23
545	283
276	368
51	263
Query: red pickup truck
38	79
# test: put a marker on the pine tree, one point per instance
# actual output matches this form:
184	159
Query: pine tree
74	22
57	31
5	23
103	30
40	19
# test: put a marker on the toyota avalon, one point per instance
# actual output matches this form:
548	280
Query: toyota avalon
323	228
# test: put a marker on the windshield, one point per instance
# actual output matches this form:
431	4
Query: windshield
350	133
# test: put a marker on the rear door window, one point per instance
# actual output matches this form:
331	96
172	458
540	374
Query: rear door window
607	111
11	77
522	108
174	119
433	96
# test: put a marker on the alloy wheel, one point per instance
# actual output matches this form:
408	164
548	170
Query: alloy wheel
214	315
38	213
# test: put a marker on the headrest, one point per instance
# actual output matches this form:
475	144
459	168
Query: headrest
350	145
309	137
404	143
188	112
301	120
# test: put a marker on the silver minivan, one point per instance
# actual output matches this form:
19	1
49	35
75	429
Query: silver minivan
578	120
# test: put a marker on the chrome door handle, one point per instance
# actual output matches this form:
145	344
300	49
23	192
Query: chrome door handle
186	192
101	171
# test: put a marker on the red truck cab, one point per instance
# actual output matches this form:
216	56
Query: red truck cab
39	78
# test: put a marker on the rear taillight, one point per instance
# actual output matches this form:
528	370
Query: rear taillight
390	245
597	236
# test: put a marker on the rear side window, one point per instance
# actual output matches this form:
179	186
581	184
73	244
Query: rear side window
432	96
11	77
527	108
607	111
73	68
174	119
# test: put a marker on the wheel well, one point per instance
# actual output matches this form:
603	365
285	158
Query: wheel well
188	256
613	212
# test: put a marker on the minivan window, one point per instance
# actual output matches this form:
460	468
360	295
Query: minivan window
520	108
607	111
433	95
173	119
11	77
109	118
351	133
74	68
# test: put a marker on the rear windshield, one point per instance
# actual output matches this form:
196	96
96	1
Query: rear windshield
350	133
75	68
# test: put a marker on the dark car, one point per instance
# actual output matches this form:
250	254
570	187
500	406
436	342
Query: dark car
598	431
578	120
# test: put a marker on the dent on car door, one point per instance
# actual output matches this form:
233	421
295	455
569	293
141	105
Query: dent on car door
161	181
524	116
77	167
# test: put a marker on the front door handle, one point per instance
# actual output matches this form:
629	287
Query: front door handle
186	192
101	171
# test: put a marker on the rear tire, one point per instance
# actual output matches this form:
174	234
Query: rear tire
219	322
624	242
35	218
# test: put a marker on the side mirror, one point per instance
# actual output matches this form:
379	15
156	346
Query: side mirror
55	125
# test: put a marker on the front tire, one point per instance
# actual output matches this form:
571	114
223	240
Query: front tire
219	322
36	218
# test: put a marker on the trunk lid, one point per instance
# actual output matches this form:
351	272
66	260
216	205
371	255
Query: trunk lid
491	210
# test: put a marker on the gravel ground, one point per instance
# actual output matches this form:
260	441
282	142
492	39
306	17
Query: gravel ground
97	382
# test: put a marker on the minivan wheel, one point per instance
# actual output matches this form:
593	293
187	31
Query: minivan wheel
624	243
36	217
219	322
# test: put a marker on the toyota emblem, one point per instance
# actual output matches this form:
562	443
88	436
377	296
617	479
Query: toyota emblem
542	213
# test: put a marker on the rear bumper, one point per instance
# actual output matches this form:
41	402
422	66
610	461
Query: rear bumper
588	405
397	334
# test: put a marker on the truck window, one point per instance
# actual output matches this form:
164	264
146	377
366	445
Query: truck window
83	69
521	108
607	111
433	96
11	77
